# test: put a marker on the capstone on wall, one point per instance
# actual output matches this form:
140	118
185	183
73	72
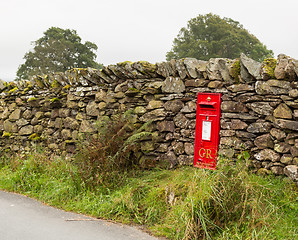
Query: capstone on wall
259	108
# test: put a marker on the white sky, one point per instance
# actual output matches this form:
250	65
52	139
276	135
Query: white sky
136	29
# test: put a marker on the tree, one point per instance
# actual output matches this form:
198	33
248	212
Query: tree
209	36
57	51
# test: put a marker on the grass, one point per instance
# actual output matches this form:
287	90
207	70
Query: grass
184	203
107	180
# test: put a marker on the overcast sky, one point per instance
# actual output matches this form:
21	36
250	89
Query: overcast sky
136	29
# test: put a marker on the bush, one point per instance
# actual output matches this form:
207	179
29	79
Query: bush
107	157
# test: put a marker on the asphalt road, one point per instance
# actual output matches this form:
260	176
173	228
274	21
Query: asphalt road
22	218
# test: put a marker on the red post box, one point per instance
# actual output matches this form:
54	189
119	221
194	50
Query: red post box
207	130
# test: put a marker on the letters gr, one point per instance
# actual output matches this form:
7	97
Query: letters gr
205	152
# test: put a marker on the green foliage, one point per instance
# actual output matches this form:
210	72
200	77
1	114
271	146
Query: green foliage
57	51
209	36
185	203
244	156
41	177
107	158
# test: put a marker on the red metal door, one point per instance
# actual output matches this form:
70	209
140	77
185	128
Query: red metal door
207	130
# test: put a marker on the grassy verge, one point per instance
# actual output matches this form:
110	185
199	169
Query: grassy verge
185	203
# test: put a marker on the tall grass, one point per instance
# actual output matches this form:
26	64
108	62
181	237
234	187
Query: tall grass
105	180
185	203
106	158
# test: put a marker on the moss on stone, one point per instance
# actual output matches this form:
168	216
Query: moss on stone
148	67
13	90
74	74
28	84
25	90
39	81
32	99
235	70
133	90
46	79
269	66
28	87
123	64
55	84
66	87
6	134
11	85
34	137
55	100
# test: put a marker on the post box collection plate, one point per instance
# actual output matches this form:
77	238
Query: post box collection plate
207	130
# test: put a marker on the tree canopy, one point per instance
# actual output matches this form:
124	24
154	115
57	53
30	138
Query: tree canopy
57	51
209	36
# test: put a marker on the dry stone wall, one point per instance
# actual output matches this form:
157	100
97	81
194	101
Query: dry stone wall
259	108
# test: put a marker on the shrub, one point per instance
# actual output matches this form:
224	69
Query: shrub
106	158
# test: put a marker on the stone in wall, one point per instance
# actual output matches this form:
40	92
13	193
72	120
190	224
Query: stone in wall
259	127
250	69
2	85
173	85
277	133
166	126
196	68
259	107
264	141
217	69
275	87
283	111
287	124
286	68
267	154
262	108
233	107
292	172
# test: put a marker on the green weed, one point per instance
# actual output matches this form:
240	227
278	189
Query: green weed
184	203
107	158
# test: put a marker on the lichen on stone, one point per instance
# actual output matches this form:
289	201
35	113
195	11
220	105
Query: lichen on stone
123	64
32	99
6	134
39	81
269	65
145	67
55	84
13	90
55	100
28	84
34	137
27	87
132	92
66	87
11	87
25	90
235	70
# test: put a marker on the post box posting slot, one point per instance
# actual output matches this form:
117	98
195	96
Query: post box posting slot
207	130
